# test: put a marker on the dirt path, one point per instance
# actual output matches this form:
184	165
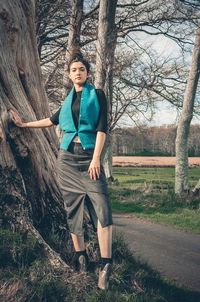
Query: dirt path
175	254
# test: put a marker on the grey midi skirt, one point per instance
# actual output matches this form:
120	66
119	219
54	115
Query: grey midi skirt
80	192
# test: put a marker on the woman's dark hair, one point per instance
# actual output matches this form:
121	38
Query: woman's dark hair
78	57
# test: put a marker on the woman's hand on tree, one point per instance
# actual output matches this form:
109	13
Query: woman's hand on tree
16	118
94	168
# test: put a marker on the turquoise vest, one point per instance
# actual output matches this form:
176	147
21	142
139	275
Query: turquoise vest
88	118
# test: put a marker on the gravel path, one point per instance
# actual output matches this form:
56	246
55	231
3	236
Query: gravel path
175	254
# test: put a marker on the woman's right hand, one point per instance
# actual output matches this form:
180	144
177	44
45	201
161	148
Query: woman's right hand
16	118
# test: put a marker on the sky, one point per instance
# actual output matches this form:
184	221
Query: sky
166	114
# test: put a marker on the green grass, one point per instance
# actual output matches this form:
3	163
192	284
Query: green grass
26	276
149	193
32	279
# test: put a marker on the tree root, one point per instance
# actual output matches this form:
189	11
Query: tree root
53	257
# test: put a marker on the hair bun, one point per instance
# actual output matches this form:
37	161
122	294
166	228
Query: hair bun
77	56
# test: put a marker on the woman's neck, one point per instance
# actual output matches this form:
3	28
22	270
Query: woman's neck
78	88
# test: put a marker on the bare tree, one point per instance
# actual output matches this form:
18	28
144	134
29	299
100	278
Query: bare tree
181	175
30	196
73	43
194	3
106	44
156	18
132	17
139	85
64	33
147	16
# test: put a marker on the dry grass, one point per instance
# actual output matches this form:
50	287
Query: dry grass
151	161
13	291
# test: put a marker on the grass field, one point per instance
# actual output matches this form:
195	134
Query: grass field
26	276
149	192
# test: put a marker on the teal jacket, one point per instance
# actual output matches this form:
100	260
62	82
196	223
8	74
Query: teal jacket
88	118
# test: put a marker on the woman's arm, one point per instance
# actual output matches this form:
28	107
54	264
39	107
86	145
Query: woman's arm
100	141
35	124
94	168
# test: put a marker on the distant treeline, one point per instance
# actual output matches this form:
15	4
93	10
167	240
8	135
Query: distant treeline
154	141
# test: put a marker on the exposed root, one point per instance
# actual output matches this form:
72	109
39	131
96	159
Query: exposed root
53	257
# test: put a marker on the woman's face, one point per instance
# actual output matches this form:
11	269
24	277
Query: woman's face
78	73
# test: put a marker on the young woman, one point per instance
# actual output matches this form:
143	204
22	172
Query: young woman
83	121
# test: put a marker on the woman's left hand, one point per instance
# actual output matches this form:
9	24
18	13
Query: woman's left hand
94	168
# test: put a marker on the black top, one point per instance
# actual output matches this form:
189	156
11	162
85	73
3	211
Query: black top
102	122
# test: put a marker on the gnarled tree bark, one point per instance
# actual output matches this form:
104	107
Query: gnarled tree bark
29	193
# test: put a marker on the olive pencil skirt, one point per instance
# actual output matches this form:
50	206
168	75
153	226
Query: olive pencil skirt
80	192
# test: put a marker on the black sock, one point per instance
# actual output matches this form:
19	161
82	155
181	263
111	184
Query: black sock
104	261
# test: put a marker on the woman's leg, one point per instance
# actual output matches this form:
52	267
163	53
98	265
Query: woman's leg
105	240
81	259
105	244
78	241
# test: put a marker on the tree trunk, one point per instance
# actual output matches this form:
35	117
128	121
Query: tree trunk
181	176
106	44
107	158
30	195
74	36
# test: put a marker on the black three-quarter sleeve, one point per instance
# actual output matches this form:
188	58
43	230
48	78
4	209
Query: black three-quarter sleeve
55	117
102	124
